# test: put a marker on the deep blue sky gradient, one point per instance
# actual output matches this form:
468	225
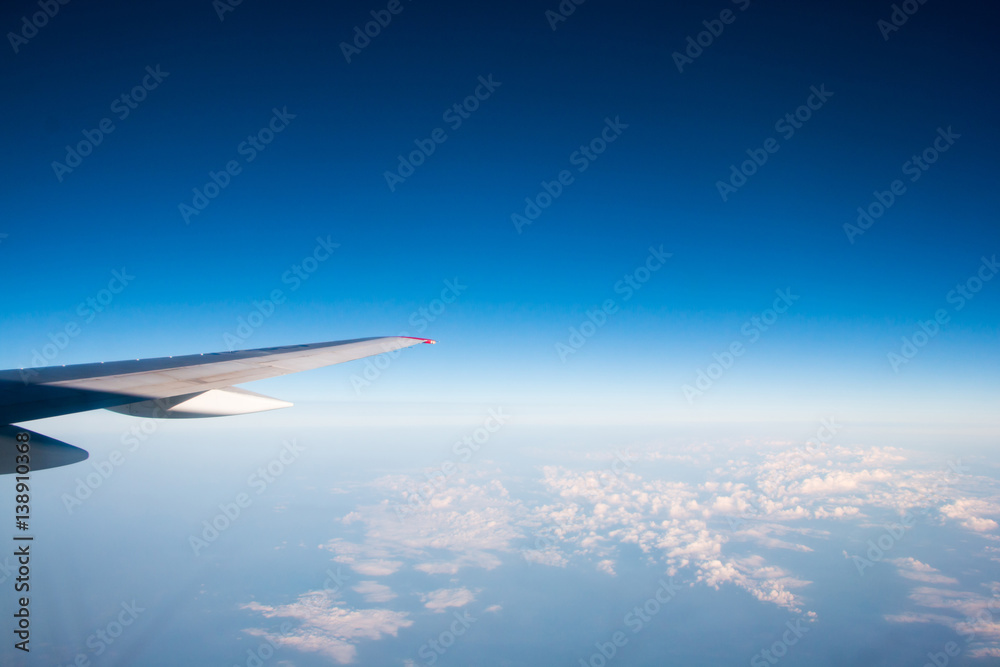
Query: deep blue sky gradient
323	177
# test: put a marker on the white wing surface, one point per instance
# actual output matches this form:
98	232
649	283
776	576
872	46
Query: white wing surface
197	385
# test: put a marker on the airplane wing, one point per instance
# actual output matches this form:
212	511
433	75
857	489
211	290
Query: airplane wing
197	385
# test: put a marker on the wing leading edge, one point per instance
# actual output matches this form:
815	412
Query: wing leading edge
36	393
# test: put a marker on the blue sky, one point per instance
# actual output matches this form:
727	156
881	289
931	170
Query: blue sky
323	177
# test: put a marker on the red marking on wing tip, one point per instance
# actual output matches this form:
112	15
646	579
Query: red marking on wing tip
423	340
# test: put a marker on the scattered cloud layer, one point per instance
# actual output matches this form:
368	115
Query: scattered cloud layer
973	614
719	530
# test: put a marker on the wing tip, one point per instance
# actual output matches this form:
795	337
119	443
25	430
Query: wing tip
422	340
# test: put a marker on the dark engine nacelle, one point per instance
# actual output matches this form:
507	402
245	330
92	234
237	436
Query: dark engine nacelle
43	451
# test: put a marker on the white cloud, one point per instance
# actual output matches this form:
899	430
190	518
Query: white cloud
837	512
363	560
467	520
985	652
326	627
911	568
551	557
968	511
971	614
440	600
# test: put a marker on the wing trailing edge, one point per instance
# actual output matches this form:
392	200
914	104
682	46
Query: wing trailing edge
212	403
